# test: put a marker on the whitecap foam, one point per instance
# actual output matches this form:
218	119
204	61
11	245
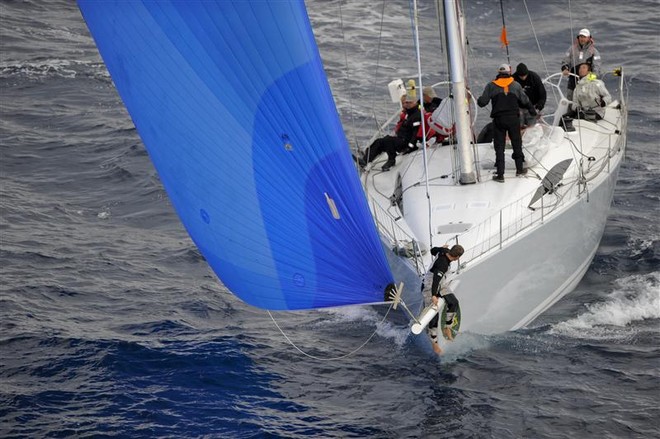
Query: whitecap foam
43	68
384	328
462	346
635	298
53	67
640	245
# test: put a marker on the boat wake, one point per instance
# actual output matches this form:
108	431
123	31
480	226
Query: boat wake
634	299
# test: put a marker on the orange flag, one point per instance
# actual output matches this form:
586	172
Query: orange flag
503	39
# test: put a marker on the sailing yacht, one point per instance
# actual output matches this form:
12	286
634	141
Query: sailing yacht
234	108
529	241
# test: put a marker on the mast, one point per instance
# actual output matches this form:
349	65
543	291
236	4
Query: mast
457	76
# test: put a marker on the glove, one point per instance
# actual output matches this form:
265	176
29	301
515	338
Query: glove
602	102
538	107
532	111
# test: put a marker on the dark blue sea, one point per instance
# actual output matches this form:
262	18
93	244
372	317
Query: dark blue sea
112	324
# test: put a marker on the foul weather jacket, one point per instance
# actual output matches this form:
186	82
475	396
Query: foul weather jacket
534	89
439	269
507	97
408	125
576	55
591	94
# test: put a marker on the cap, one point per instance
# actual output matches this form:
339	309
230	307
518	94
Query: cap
504	68
522	70
584	32
428	91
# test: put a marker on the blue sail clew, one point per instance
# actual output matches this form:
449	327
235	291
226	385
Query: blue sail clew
234	108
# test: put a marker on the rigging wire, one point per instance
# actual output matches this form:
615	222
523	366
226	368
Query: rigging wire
375	79
570	21
538	45
415	28
536	38
348	80
503	36
355	127
341	357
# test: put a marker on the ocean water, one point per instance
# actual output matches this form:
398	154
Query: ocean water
112	325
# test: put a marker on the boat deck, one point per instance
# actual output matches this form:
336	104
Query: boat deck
490	211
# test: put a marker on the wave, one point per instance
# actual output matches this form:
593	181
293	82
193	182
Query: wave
635	299
60	68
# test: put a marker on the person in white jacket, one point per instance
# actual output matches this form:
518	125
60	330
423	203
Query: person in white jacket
582	50
591	96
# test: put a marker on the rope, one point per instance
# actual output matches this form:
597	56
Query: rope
341	357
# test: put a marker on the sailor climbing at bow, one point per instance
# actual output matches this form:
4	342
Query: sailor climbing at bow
439	280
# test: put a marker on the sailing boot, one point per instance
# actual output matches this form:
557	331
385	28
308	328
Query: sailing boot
388	164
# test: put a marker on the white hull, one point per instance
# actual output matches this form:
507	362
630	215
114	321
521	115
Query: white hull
518	261
509	289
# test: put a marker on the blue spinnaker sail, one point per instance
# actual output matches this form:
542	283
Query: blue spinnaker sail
234	108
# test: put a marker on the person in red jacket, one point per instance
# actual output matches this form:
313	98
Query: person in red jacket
404	139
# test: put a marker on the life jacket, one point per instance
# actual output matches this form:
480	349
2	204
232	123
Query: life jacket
433	129
409	121
402	118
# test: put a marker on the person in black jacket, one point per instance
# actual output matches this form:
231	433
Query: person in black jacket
431	99
404	139
534	89
506	97
440	288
